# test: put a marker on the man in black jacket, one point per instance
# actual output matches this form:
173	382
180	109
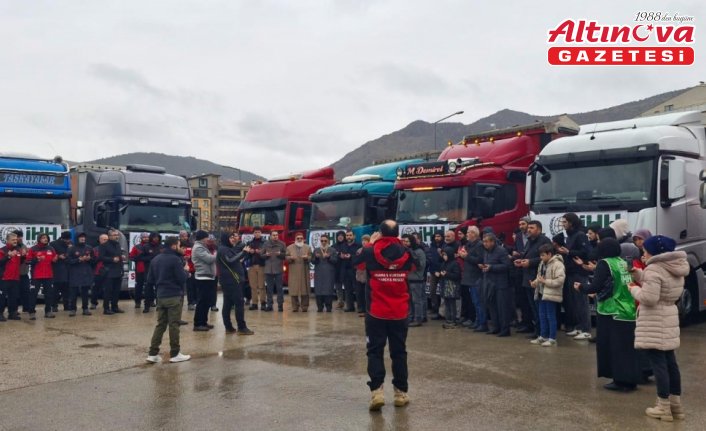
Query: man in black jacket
496	287
231	253
578	315
111	255
60	268
528	262
346	252
168	272
80	261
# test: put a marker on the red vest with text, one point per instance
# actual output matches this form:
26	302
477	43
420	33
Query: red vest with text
389	293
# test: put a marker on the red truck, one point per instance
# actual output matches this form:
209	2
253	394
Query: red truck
480	181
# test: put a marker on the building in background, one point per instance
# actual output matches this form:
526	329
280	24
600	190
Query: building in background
216	201
691	99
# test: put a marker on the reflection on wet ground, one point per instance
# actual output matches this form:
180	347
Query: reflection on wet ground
308	371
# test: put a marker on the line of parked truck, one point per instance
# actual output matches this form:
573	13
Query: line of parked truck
650	171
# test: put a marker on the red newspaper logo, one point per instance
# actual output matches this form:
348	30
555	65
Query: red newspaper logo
657	43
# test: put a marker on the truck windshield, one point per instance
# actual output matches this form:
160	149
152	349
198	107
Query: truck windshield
262	217
28	210
620	182
338	213
151	218
429	206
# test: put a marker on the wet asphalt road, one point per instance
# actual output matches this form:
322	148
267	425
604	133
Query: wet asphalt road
307	371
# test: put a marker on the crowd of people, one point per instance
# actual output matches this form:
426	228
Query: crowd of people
537	286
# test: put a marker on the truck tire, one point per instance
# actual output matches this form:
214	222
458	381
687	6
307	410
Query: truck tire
688	303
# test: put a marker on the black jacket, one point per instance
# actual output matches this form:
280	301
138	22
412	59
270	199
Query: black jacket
453	270
433	257
230	263
496	277
352	249
255	258
471	272
578	245
167	274
61	266
531	253
106	252
80	272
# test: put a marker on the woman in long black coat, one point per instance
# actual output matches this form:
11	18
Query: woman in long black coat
615	329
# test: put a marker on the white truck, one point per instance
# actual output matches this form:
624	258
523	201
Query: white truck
646	170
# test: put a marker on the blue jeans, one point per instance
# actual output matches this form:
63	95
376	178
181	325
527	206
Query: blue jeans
547	319
481	318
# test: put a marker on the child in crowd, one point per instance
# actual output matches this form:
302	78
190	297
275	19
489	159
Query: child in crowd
548	291
450	275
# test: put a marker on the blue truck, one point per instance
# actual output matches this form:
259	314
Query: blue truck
359	202
36	195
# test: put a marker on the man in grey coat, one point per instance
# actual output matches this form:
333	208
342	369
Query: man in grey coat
204	279
274	252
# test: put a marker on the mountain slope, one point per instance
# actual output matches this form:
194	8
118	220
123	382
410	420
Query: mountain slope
418	136
178	165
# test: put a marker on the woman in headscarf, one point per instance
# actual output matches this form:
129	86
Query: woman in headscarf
616	313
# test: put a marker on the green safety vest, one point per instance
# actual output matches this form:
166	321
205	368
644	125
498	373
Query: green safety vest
621	305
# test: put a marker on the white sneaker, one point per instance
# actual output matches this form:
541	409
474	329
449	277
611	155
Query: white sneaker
573	333
538	340
180	358
549	343
154	359
582	336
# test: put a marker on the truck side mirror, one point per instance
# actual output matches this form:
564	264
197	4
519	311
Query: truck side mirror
299	217
100	215
193	223
676	183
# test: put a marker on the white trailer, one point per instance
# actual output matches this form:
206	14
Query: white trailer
646	170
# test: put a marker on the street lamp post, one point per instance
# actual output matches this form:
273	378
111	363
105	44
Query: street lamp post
439	121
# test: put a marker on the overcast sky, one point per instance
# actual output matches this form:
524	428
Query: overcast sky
282	86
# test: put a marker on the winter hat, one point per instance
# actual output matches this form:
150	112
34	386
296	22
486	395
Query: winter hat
66	235
642	233
621	228
526	219
659	244
201	234
488	229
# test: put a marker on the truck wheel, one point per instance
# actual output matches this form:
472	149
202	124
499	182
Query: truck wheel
687	305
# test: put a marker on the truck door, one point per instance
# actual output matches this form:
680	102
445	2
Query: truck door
672	210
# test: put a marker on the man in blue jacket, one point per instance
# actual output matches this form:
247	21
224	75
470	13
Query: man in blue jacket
168	272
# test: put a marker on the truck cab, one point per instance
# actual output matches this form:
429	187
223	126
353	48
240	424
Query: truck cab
479	181
359	202
35	196
645	170
132	199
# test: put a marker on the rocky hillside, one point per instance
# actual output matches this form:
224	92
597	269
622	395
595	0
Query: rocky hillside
419	135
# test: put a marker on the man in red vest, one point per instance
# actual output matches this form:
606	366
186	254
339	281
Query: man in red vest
387	263
11	258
